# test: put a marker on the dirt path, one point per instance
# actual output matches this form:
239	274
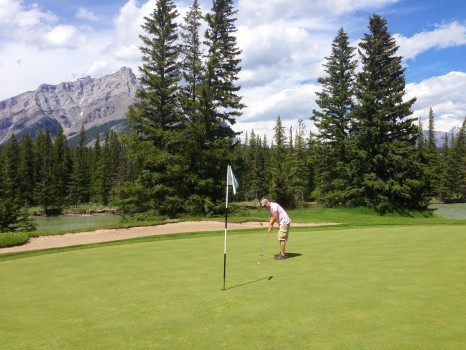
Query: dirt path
107	235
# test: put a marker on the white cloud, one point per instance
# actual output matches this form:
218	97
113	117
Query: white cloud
14	13
445	35
126	42
64	36
86	14
445	95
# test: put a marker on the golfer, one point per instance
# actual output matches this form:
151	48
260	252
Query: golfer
278	215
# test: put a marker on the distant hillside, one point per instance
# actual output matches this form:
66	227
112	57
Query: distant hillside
97	104
440	135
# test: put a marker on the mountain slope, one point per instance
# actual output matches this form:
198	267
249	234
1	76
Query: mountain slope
85	102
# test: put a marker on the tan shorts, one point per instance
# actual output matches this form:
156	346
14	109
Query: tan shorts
283	232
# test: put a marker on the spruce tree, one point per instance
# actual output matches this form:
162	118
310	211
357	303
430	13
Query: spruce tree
220	98
392	176
219	104
453	175
333	121
280	189
155	114
26	169
432	153
61	168
299	166
43	170
79	185
192	64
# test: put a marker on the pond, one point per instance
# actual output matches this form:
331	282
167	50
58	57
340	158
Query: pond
61	223
450	211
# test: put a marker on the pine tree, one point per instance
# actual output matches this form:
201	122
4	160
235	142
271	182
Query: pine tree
392	176
192	64
219	106
11	173
333	120
155	114
220	98
432	153
26	169
98	172
299	166
61	168
79	185
43	170
280	189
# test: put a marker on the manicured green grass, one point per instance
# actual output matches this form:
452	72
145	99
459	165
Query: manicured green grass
381	287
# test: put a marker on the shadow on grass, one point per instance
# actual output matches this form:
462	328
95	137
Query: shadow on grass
293	255
243	284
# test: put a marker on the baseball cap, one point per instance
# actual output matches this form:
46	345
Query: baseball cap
263	202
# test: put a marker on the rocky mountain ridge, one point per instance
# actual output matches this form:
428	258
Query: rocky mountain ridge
98	104
94	103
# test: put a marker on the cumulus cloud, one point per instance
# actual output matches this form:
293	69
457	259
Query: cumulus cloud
61	36
125	43
14	13
445	35
445	95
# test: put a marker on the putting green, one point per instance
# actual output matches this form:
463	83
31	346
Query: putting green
386	288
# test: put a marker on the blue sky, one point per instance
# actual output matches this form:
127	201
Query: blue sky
284	44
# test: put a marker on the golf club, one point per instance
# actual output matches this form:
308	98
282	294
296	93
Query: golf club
266	240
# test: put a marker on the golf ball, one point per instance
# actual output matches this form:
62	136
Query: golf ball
258	263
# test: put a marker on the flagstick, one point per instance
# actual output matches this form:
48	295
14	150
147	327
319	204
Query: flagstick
226	228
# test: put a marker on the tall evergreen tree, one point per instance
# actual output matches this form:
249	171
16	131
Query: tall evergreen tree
280	189
432	153
79	185
220	98
299	166
43	169
61	168
219	105
392	176
155	114
192	64
11	173
26	169
333	120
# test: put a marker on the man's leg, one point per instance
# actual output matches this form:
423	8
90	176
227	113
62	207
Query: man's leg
282	247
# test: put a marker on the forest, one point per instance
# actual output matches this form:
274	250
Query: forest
368	150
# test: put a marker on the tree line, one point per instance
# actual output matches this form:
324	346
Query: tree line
368	150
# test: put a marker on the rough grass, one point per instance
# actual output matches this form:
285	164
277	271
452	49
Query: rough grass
10	239
384	287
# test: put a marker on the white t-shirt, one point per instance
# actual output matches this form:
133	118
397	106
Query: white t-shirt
282	215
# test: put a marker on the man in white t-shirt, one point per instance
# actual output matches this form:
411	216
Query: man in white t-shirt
278	215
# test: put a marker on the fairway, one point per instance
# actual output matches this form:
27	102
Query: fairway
391	287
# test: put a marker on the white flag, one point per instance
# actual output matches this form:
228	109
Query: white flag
231	180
